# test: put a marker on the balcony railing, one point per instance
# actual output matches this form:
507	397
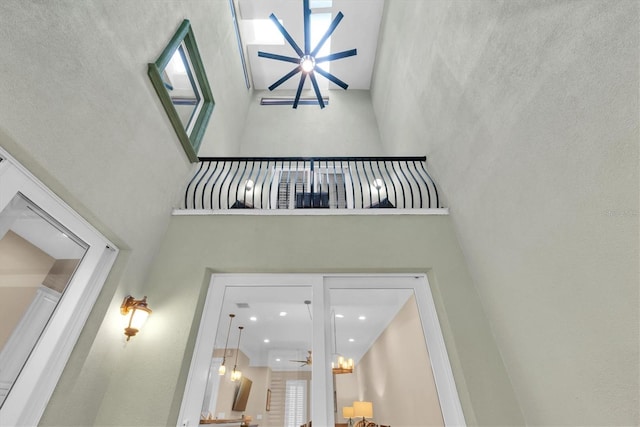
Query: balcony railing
319	182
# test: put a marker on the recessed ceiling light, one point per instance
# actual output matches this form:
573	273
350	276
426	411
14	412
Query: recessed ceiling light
266	340
283	313
253	318
339	316
278	359
351	340
361	317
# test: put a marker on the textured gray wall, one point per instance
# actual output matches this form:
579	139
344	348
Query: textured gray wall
347	127
79	111
528	113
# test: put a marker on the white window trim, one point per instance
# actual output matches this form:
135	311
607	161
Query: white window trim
32	390
322	401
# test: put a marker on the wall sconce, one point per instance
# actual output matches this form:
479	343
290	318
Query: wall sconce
236	374
223	369
364	410
138	312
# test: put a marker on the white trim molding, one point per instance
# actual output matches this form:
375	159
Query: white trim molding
322	402
31	391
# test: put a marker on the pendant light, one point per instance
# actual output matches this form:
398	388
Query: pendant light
223	369
339	365
236	374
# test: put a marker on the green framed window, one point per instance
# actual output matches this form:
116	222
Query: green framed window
180	81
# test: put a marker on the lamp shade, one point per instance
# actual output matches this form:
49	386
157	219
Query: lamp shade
347	412
363	409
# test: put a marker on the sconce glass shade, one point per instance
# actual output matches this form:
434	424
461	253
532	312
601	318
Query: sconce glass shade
347	412
363	409
138	312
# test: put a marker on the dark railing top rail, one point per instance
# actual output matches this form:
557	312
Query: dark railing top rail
308	159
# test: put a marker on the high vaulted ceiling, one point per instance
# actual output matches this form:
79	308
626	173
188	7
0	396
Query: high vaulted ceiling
357	30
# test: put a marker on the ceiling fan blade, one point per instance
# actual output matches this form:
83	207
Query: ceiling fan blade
286	35
295	101
331	77
338	55
316	89
307	26
285	77
278	57
328	33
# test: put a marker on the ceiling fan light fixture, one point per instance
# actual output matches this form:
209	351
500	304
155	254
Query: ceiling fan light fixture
306	59
307	63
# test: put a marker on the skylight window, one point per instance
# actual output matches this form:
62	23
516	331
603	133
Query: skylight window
261	31
320	4
319	23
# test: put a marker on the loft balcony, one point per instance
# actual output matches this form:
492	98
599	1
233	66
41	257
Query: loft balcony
288	184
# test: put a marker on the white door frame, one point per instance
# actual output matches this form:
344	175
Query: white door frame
34	386
322	403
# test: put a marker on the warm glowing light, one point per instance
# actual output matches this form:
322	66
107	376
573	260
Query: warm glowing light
363	409
342	365
236	375
138	318
347	412
138	312
222	370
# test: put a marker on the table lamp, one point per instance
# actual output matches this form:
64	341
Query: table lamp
364	410
347	412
